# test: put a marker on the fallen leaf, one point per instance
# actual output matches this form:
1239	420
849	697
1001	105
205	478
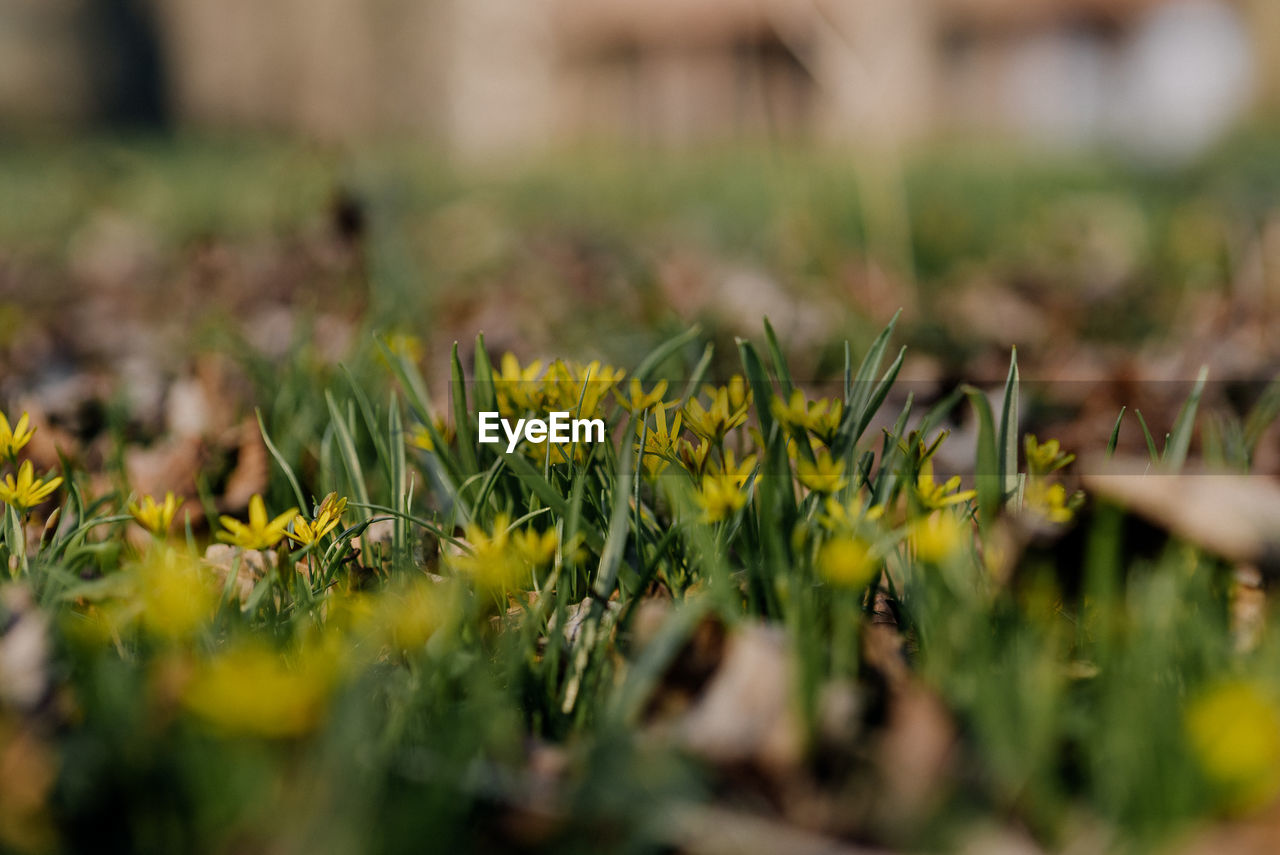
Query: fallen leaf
1234	516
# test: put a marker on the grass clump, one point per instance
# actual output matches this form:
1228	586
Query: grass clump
744	600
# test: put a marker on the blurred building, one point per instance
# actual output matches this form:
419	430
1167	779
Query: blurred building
486	77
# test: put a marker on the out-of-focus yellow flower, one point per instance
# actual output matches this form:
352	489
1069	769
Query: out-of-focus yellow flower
737	391
260	533
823	475
693	457
739	473
155	518
1045	457
405	345
933	495
517	388
824	418
579	389
839	516
404	615
26	491
493	563
821	416
720	496
640	400
938	536
328	515
659	441
1234	730
726	410
177	595
1048	501
847	562
252	689
13	439
793	412
420	437
536	548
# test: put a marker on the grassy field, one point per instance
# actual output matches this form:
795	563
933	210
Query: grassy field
813	593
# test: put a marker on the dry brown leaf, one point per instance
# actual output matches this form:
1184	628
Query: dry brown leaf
915	749
745	713
250	566
1234	516
252	469
719	831
169	465
24	650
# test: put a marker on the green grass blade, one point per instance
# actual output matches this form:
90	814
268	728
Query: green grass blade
986	471
1262	415
660	354
485	396
1007	441
544	490
280	461
1179	442
858	391
761	385
1151	443
399	477
347	451
779	361
1115	435
462	417
416	389
371	421
695	379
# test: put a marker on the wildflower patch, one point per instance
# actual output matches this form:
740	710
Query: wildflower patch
558	428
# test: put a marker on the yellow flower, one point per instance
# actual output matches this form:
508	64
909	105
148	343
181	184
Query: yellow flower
794	412
516	388
639	399
155	518
933	495
493	562
847	562
420	437
252	689
578	389
839	516
177	596
824	418
536	548
824	475
1234	731
405	345
404	615
1044	458
13	439
938	536
693	458
410	614
720	497
726	410
259	533
737	472
1048	501
27	491
659	441
328	515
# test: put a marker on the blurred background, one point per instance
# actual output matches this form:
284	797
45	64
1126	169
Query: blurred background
185	182
496	78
